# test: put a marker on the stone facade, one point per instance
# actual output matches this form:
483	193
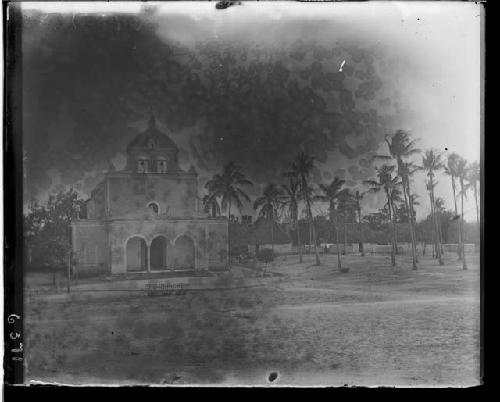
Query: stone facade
147	218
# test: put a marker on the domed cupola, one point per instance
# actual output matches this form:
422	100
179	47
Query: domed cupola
152	151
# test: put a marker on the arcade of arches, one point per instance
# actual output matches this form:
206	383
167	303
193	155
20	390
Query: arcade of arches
160	254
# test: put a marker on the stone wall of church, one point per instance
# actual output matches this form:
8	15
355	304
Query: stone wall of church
96	206
129	196
90	247
207	237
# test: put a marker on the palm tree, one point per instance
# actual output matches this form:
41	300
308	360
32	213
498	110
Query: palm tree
358	196
462	177
439	209
412	168
401	146
451	169
211	205
290	199
301	167
473	179
269	204
431	163
387	183
331	193
398	212
227	186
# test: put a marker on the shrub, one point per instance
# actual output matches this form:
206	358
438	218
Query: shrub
266	255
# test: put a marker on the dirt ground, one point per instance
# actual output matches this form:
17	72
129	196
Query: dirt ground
375	325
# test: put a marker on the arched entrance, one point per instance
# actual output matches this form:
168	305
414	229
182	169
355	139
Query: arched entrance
137	254
158	253
183	253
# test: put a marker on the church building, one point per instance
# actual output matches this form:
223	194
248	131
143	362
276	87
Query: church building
147	218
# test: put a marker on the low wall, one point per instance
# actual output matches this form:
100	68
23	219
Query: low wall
469	248
153	287
89	270
369	248
278	248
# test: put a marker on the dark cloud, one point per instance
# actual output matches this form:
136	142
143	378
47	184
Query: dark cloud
255	105
340	173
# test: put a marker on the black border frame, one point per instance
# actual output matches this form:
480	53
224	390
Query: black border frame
13	226
13	193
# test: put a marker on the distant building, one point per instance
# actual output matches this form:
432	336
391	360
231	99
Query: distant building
146	217
246	219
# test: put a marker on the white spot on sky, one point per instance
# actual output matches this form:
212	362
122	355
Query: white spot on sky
341	65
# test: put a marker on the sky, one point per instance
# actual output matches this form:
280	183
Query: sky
253	83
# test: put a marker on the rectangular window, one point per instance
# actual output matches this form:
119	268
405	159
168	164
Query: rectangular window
246	219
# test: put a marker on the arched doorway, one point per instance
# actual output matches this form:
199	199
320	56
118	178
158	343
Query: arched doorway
137	254
158	253
183	253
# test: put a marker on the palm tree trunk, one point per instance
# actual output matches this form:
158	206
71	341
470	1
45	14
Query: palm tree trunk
436	228
440	233
299	245
412	221
406	193
313	232
318	262
310	238
361	248
464	263
339	261
459	251
396	236
433	244
345	238
477	205
393	249
272	234
228	235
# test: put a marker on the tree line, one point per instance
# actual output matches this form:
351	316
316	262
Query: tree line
395	173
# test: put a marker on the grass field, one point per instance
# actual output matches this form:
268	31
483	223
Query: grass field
374	325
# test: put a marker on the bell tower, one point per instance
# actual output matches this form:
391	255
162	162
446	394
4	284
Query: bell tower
152	152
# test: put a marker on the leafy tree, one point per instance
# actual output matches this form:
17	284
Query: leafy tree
402	213
445	217
378	220
47	230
